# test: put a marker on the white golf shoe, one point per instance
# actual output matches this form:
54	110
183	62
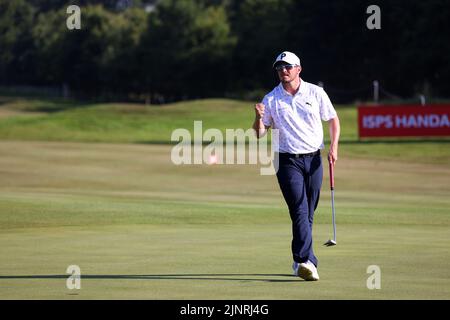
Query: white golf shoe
308	271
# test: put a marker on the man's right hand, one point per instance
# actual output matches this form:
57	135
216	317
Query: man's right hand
259	110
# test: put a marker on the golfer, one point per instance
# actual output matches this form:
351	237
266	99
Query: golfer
297	108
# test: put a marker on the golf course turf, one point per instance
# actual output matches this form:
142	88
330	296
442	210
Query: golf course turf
140	227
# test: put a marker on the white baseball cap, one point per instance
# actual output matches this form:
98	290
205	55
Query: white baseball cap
287	57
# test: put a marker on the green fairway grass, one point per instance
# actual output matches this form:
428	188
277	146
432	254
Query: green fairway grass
140	227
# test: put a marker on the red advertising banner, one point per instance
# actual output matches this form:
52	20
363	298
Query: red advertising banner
404	120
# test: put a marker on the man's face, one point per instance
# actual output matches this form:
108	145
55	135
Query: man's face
287	72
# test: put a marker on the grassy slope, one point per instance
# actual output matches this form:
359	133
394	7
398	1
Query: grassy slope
141	227
123	123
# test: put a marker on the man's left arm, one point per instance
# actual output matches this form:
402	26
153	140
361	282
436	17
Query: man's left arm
328	114
335	131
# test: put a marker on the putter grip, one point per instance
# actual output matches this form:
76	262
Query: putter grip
331	175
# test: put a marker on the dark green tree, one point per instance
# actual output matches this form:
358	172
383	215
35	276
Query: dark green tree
47	5
83	58
16	42
186	50
261	27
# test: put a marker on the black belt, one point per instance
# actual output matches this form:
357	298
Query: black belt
299	155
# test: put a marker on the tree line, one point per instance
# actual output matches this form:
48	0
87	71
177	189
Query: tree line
170	50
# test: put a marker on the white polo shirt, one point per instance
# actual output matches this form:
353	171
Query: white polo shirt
298	117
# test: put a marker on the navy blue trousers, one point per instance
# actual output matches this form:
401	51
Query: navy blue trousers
300	180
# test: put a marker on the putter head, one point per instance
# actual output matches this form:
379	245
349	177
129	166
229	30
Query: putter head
330	243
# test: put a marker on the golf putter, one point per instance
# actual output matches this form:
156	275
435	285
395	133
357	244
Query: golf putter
332	242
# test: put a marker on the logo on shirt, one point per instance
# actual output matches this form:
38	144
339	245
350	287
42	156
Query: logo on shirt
308	103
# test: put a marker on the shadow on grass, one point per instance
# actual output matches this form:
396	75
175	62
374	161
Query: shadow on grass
445	140
208	277
4	100
395	141
53	106
47	105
